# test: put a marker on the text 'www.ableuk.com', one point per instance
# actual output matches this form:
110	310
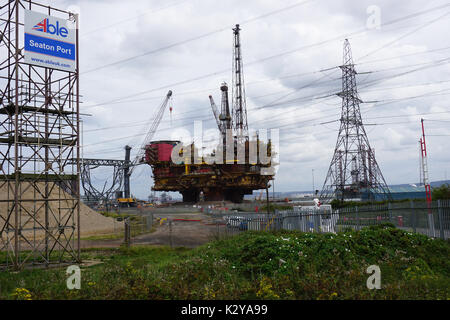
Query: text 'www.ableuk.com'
51	63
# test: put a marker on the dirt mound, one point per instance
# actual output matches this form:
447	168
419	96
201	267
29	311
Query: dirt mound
61	205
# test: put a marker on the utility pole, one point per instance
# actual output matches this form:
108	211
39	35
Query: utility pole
126	173
314	192
273	190
425	165
420	163
426	181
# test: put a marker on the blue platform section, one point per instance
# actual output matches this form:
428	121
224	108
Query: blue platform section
49	47
400	192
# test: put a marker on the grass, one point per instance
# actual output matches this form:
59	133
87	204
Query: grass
137	228
109	236
256	265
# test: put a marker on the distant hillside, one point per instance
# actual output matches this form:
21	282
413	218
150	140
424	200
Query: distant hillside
302	194
436	184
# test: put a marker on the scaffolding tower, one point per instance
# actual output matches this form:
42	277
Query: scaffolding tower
39	137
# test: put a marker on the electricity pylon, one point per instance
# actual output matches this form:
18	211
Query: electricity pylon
353	172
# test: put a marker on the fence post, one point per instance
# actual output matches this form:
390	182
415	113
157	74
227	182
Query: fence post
127	231
357	218
316	217
413	216
390	212
170	233
441	222
217	228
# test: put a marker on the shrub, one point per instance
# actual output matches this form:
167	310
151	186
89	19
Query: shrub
442	192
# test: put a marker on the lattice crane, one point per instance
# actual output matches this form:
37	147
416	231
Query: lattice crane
216	113
139	159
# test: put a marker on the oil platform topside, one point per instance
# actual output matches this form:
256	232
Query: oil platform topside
237	166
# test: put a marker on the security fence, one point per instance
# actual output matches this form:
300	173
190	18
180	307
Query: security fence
416	216
136	225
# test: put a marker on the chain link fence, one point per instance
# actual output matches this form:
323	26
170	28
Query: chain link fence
136	225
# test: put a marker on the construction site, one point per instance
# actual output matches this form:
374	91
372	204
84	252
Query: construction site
68	184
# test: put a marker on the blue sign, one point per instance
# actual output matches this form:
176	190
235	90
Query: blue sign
49	47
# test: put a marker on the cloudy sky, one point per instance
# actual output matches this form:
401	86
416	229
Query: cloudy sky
133	52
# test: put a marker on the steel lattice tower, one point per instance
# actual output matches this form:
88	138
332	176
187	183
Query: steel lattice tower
353	172
239	106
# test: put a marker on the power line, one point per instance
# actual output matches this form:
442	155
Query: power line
405	35
151	11
263	59
405	73
436	120
314	124
329	94
283	77
133	124
197	37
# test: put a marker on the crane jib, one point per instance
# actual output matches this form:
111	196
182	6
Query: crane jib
151	132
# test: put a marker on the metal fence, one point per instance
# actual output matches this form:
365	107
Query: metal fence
137	225
416	216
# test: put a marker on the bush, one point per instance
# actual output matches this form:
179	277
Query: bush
337	204
257	265
442	192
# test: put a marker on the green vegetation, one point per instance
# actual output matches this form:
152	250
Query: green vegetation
109	236
256	265
138	225
273	207
337	204
442	192
119	216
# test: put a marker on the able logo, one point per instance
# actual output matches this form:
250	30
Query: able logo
46	27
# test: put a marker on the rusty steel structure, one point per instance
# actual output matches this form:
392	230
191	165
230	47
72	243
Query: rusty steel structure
241	164
109	189
116	183
228	180
353	172
39	138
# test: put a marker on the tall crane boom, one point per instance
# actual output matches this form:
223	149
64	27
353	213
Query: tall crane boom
216	113
151	132
239	105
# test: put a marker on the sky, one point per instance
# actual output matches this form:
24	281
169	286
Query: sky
133	52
